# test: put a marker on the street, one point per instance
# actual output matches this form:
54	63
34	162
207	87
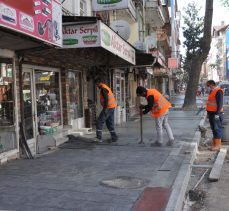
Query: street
81	176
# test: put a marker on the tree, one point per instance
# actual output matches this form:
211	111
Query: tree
198	40
225	3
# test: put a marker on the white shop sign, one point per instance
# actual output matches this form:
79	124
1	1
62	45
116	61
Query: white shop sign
103	5
97	35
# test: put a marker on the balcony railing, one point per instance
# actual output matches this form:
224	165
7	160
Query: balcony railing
156	15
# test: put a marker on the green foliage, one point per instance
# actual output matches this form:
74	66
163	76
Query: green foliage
225	3
192	32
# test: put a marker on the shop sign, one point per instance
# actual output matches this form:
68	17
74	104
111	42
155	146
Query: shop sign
45	78
173	63
81	36
103	5
115	44
41	19
97	35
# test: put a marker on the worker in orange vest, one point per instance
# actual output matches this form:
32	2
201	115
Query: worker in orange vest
108	102
214	108
159	107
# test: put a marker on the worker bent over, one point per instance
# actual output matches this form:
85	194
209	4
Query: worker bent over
159	107
214	108
108	102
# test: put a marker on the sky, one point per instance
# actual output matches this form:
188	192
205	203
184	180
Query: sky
220	13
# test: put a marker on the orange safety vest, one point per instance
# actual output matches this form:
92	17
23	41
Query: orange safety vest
211	104
111	99
161	105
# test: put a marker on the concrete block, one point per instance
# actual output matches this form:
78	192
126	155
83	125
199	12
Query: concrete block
44	142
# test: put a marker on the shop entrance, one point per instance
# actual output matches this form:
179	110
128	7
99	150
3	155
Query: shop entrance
29	109
42	106
120	95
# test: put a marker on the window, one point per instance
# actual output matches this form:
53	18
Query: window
6	93
83	8
75	94
48	101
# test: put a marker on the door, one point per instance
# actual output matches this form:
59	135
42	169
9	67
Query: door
29	109
120	95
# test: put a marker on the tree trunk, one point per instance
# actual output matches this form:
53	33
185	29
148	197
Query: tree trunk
195	69
190	95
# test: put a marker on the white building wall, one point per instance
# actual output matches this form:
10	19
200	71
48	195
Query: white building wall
73	6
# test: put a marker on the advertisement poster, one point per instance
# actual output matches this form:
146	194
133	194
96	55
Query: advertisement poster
97	35
41	19
103	5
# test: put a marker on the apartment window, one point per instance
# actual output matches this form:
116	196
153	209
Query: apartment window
83	8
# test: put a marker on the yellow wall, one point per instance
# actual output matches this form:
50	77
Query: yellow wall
134	33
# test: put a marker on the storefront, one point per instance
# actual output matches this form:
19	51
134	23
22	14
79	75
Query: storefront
42	103
8	115
21	28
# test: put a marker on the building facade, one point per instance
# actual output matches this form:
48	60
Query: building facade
50	55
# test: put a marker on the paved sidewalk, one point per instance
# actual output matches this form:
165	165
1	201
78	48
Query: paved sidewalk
120	176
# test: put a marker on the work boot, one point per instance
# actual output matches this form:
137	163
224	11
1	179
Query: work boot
217	145
114	139
156	144
97	140
213	142
170	142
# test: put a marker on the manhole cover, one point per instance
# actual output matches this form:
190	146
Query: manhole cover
124	182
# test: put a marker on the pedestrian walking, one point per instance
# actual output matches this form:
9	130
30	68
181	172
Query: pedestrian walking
214	108
108	102
159	107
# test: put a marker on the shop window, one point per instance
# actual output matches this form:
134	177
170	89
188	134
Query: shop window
48	101
75	94
6	93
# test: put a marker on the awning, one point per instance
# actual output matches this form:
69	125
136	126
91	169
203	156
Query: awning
87	42
12	40
89	33
144	59
74	57
88	51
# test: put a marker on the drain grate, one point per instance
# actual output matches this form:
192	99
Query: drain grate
124	182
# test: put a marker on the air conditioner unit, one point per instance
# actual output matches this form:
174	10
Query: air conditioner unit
164	2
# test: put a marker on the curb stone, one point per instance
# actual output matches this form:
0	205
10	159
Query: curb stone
179	188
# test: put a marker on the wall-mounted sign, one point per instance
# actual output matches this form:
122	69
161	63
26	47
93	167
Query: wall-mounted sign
173	63
41	19
81	36
103	5
97	35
